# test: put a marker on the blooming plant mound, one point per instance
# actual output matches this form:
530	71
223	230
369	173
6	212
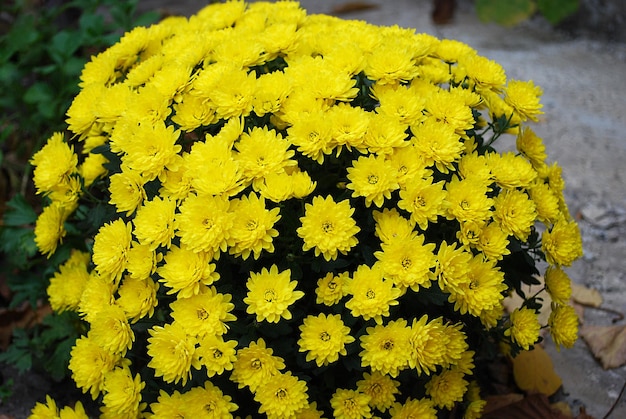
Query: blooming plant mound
271	213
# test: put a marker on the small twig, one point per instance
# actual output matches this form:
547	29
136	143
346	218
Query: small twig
621	393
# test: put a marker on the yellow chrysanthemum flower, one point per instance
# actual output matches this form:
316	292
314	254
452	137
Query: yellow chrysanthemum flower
397	102
76	412
270	293
204	223
524	97
204	313
424	200
216	354
282	396
372	178
50	229
391	226
122	391
514	212
154	222
111	331
253	229
328	227
331	288
67	285
385	134
438	144
213	168
563	243
452	267
407	262
412	408
54	164
92	168
127	191
371	296
425	343
207	402
511	171
137	297
312	135
172	353
232	92
168	406
97	295
142	261
468	201
350	404
484	289
386	348
408	164
531	146
546	202
349	125
255	364
391	65
381	389
446	388
486	74
185	271
262	151
493	242
558	285
524	329
324	338
563	322
48	410
89	363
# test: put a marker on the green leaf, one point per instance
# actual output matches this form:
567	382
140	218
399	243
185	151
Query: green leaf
19	212
557	10
18	354
39	92
63	45
504	12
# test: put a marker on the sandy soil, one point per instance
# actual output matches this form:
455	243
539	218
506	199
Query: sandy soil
584	102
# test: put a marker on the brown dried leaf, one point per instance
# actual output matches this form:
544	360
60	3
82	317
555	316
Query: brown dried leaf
353	6
607	343
586	296
500	401
534	406
20	317
533	372
443	11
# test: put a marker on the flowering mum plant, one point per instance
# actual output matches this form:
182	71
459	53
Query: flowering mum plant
272	213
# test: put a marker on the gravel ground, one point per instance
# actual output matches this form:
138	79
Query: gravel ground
584	101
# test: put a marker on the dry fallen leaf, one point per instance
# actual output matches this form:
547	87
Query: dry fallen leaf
20	317
534	406
586	296
607	343
533	372
499	401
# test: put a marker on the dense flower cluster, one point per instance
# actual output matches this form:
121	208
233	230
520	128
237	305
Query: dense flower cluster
269	212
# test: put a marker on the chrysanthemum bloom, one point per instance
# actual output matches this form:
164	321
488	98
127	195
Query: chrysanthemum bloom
154	222
511	171
331	288
397	102
372	178
424	200
49	228
172	352
515	212
185	271
452	267
381	388
282	396
446	388
204	313
110	329
562	244
48	410
97	295
270	293
524	96
455	347
122	391
54	164
255	364
214	170
350	404
142	261
310	412
168	406
476	405
407	262
524	329
407	165
137	297
467	201
127	190
204	223
412	408
474	167
216	354
563	324
391	226
484	289
371	294
110	248
385	134
386	348
76	412
312	136
483	72
253	226
324	338
425	343
89	363
493	242
208	402
66	287
261	152
546	202
531	146
558	285
437	144
328	227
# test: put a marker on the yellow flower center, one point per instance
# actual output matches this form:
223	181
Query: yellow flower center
327	226
372	179
202	314
269	296
370	294
325	336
